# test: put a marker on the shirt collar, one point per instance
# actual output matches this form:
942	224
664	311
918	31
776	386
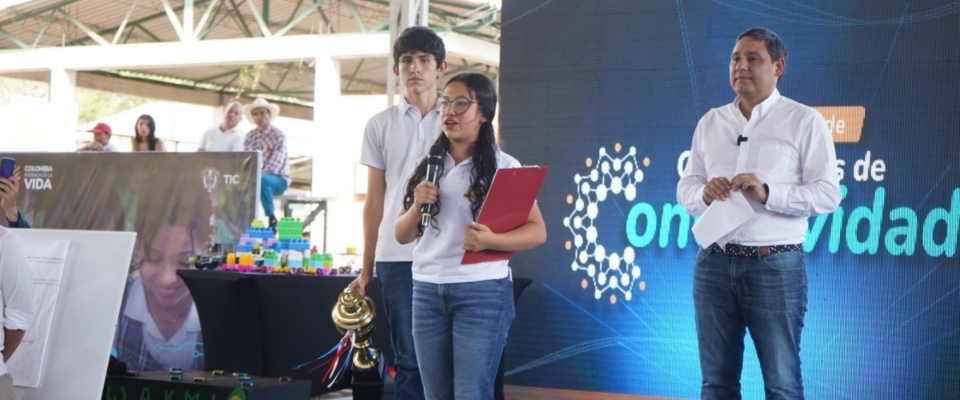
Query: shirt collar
236	128
448	159
405	107
269	130
761	109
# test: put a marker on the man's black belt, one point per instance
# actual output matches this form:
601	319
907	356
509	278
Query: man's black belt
736	250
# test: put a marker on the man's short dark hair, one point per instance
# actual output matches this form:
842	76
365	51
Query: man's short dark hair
775	46
419	38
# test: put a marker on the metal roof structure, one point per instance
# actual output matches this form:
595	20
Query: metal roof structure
231	47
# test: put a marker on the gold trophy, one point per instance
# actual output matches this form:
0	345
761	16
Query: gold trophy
354	312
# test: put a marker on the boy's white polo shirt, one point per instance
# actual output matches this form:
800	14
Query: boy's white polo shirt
436	258
395	140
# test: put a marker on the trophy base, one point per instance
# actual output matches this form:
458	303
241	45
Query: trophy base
367	383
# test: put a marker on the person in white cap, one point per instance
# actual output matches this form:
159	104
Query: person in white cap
268	139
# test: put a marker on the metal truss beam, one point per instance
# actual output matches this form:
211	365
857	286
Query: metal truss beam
14	39
356	15
294	21
294	12
147	31
174	21
264	27
32	14
43	30
353	75
188	29
139	22
213	21
323	15
241	22
123	24
231	52
90	33
283	77
266	11
206	15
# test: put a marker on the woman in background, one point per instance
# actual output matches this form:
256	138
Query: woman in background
145	138
461	313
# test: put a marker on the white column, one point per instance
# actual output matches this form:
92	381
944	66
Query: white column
396	26
331	176
424	12
64	111
326	88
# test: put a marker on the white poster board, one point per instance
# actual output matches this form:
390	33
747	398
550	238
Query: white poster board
86	313
48	260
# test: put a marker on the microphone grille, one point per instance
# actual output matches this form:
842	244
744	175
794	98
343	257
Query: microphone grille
437	151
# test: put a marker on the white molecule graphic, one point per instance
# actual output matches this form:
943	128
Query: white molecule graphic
610	176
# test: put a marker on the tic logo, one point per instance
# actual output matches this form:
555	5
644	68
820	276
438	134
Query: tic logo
210	177
611	176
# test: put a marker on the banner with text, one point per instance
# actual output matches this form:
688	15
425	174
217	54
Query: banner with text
176	202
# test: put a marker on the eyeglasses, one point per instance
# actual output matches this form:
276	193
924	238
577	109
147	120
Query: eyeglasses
459	105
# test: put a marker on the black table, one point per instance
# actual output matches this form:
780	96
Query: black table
160	385
267	324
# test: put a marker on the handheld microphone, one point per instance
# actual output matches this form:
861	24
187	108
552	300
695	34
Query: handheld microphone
741	139
434	161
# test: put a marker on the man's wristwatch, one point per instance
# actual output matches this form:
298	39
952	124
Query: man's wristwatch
766	189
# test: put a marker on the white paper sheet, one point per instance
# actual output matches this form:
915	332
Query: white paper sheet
722	218
48	260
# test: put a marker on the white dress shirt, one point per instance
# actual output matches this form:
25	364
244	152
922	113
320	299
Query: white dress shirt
216	140
394	141
111	148
437	255
16	287
788	147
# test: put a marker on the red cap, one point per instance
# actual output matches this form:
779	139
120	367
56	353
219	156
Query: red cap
101	128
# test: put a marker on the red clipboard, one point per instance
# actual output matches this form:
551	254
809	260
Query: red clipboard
507	206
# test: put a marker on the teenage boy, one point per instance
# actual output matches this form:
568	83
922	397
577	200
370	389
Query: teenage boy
393	142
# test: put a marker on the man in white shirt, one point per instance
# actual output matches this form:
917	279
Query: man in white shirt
226	136
394	141
779	154
101	139
16	290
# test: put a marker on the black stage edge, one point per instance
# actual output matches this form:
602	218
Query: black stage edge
158	385
267	324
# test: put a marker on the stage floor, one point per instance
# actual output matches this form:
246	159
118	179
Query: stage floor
345	394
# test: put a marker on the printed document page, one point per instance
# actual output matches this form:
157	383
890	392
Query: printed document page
722	218
48	259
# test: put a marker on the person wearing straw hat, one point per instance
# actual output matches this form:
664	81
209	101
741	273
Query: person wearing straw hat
269	140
